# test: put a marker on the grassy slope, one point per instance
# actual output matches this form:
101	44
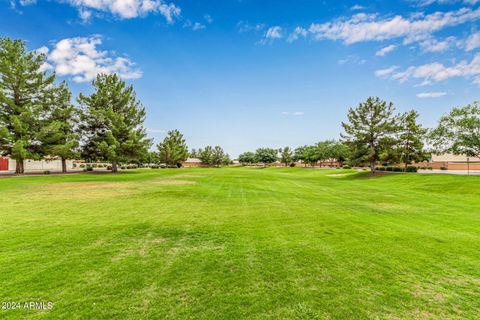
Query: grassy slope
241	242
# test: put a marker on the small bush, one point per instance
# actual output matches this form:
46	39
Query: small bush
154	166
443	168
411	169
109	167
347	167
46	172
123	167
89	168
292	165
82	166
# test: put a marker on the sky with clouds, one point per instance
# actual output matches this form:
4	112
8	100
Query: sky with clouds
246	73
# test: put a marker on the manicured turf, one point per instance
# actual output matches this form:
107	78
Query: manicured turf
241	243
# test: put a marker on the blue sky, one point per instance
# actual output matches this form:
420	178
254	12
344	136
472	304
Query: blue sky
244	74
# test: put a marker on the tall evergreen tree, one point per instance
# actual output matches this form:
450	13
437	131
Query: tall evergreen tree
206	155
59	136
113	122
173	150
23	85
411	138
218	156
370	129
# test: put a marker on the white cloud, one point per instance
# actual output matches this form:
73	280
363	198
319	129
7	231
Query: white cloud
472	42
382	52
431	94
357	7
123	9
80	59
434	45
297	33
245	26
369	27
436	72
274	32
208	18
385	72
194	25
423	3
295	113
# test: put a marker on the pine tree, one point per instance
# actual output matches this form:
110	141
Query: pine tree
370	129
173	150
59	135
113	122
411	138
23	85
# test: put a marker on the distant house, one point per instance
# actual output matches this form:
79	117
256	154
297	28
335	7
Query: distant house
454	162
193	162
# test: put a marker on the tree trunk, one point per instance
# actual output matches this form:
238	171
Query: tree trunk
19	169
64	165
114	166
372	166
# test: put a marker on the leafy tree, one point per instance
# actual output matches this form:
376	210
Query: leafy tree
151	157
411	139
324	151
59	135
311	155
266	155
173	150
286	156
113	122
340	152
458	132
299	154
370	129
206	155
214	156
247	158
23	85
218	156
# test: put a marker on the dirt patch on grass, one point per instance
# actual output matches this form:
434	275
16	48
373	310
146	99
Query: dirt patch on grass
337	175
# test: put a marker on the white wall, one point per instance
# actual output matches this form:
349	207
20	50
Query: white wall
41	165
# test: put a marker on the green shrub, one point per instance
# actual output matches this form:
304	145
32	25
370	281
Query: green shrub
46	172
347	167
411	169
109	167
443	168
82	166
89	168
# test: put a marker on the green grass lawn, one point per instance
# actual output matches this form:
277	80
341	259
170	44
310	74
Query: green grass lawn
236	243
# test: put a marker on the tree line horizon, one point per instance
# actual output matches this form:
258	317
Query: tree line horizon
38	120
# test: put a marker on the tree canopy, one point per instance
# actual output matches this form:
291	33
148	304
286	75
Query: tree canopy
173	150
370	130
23	85
113	122
458	131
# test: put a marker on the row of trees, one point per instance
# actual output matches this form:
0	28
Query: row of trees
38	119
324	152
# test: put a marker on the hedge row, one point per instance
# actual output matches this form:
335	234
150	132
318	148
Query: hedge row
398	169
